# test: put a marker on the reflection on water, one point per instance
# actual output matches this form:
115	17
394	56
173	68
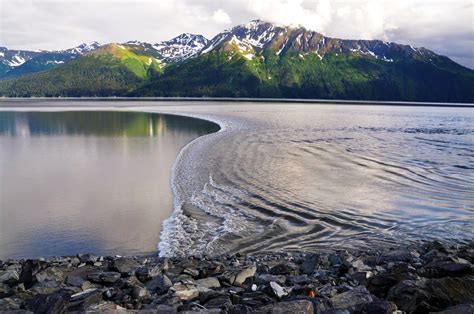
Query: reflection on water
87	181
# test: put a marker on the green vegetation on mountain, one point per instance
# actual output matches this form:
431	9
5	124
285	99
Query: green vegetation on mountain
223	74
107	71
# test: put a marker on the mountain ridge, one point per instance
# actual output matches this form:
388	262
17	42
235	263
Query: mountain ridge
261	59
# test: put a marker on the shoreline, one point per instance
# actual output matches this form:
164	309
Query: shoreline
267	101
423	277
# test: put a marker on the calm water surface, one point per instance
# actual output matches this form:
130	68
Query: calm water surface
87	181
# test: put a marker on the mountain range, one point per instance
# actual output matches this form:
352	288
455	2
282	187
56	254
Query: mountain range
256	59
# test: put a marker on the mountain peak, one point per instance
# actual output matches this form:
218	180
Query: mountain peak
181	47
83	48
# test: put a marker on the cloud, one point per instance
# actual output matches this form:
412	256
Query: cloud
445	26
220	16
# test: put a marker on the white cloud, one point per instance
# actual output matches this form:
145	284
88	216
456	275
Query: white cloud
220	16
445	26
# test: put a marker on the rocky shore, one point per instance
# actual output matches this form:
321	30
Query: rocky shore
427	277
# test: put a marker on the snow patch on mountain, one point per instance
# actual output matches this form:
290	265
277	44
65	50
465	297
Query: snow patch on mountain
181	48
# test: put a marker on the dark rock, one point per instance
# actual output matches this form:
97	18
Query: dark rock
267	278
191	272
5	290
160	284
380	285
301	307
146	273
87	258
410	296
327	291
450	291
402	255
300	280
221	302
83	299
361	278
103	277
50	274
49	303
11	305
46	287
334	260
447	269
126	265
458	309
9	277
309	265
255	299
26	275
284	269
104	307
160	308
352	300
74	281
381	307
239	309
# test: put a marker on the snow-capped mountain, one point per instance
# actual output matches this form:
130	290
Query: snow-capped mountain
82	48
13	58
180	48
256	36
16	62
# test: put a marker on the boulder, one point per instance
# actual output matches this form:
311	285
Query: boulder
381	307
146	273
244	274
49	303
126	265
5	290
185	292
437	269
87	258
221	302
309	265
458	309
9	277
74	281
265	279
352	299
410	295
160	284
401	255
209	282
50	274
84	299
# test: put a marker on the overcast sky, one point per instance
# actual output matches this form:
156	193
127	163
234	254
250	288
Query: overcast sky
444	26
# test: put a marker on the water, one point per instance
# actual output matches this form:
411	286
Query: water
87	181
313	177
277	177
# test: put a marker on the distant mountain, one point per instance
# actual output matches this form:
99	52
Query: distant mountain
256	59
19	62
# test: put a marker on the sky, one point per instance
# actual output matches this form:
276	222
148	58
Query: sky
444	26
